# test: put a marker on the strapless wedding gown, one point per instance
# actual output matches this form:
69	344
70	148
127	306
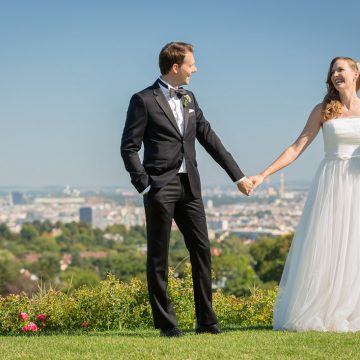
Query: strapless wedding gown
320	284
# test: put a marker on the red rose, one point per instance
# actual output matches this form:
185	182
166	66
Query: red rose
41	317
85	324
23	316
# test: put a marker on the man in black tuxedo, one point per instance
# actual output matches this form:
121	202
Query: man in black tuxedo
167	120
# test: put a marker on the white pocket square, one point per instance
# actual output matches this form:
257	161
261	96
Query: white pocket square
191	111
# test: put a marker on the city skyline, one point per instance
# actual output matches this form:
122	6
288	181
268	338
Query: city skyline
271	212
69	69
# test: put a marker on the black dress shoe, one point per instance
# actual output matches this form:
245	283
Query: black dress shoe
171	332
211	329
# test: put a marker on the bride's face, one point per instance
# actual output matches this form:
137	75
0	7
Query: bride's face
342	75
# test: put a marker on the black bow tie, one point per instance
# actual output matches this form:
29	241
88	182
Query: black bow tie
179	92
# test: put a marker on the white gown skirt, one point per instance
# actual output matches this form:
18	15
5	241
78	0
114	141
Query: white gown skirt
320	286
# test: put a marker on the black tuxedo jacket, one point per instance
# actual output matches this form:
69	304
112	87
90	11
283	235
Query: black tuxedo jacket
150	120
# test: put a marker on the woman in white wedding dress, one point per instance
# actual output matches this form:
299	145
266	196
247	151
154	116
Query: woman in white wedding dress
320	284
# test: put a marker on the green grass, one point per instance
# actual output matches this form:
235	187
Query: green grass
247	343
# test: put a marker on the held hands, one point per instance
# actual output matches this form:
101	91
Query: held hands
245	186
248	185
256	181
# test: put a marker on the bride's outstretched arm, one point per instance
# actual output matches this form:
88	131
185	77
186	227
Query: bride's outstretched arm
291	153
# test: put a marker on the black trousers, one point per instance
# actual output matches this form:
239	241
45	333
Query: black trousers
162	205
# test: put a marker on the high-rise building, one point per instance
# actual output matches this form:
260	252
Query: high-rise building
17	198
86	214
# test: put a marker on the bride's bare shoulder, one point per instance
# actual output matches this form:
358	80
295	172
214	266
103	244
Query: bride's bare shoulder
316	115
318	109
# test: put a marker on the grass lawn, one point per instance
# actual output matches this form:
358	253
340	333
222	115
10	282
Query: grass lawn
246	343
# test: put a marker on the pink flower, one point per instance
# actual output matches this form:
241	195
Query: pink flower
23	316
85	324
30	327
41	317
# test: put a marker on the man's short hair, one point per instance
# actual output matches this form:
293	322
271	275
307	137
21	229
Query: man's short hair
173	53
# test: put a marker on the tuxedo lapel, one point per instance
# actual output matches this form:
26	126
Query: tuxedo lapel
160	98
186	118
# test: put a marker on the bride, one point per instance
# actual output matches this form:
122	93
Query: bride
320	284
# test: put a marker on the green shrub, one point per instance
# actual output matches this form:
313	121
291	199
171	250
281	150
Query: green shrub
10	308
256	309
116	305
182	297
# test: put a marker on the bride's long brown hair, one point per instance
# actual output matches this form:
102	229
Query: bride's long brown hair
332	106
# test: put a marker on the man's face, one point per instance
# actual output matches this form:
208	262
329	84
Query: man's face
186	69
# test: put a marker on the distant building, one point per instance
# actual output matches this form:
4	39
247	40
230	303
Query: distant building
65	261
93	217
98	220
71	192
59	200
86	215
17	198
217	224
282	186
32	258
253	234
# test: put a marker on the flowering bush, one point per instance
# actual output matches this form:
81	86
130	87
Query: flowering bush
29	326
115	305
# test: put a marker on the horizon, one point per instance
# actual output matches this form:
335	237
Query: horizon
292	184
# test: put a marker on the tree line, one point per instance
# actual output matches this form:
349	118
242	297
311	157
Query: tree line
67	256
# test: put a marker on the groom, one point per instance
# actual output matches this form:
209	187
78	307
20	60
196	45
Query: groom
167	119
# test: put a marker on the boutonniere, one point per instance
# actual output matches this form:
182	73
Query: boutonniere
186	100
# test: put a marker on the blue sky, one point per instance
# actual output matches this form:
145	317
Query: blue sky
69	68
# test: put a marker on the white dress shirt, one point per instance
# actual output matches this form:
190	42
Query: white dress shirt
178	110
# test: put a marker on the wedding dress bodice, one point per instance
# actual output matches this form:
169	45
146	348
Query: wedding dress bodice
342	138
